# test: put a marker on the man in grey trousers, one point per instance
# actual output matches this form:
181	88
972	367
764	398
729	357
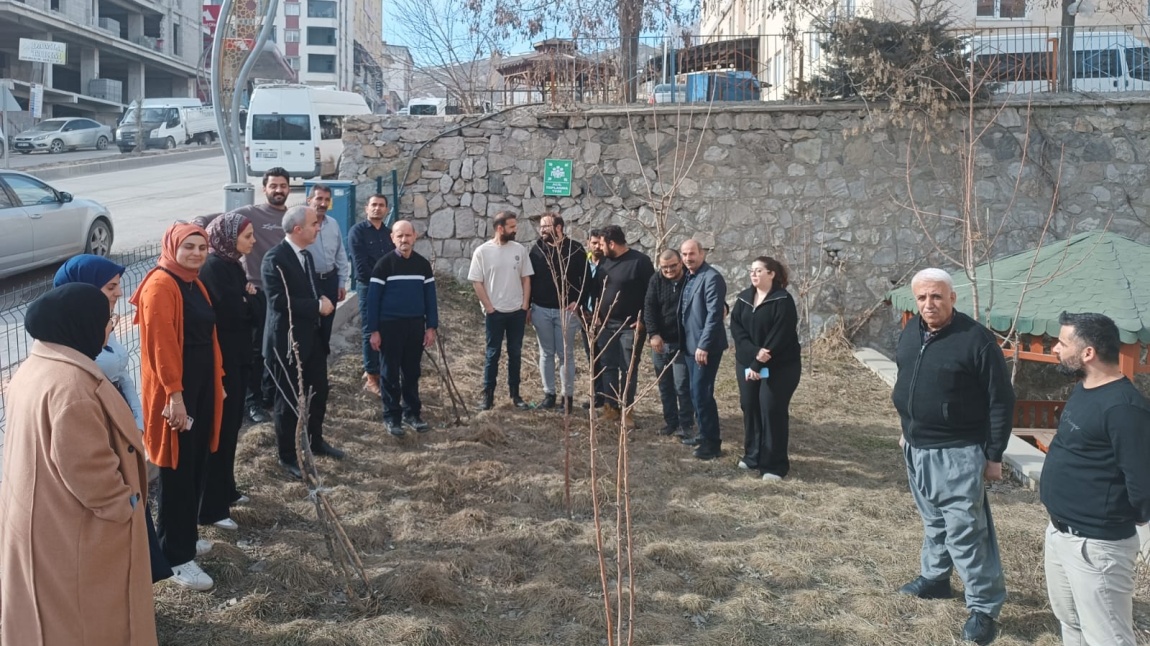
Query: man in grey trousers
956	405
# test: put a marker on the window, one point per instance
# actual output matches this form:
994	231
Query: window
1020	66
1138	62
1000	8
293	62
291	35
321	63
324	36
291	9
1097	64
321	9
175	39
29	191
281	127
330	126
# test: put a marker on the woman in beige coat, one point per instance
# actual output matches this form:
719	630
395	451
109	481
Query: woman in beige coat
74	565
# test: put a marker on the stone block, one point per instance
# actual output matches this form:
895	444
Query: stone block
464	223
467	168
419	206
497	162
808	151
592	152
628	167
715	154
434	202
454	167
445	183
480	169
441	224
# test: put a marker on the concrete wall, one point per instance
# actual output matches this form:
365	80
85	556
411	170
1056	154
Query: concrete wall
846	206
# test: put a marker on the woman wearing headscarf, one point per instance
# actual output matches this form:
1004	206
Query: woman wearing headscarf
230	237
113	360
768	363
73	546
181	373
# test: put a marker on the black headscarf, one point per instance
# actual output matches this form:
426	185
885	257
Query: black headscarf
75	315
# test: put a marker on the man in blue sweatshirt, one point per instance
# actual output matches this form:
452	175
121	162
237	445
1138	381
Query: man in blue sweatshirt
403	315
956	404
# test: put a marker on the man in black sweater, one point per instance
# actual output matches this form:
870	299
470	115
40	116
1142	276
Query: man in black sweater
956	404
560	266
624	275
1096	486
661	316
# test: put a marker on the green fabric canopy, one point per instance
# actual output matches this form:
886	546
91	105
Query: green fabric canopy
1091	272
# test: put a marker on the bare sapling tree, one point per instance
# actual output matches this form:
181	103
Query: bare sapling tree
339	546
459	408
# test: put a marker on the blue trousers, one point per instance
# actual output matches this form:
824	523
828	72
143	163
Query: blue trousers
674	387
958	530
703	395
498	325
370	357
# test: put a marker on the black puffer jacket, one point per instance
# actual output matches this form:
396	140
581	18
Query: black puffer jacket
773	325
661	307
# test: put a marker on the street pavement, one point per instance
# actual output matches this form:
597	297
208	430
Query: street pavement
18	161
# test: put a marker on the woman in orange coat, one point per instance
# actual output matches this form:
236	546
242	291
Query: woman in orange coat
181	374
74	565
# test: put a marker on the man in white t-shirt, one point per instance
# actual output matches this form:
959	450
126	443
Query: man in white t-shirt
501	275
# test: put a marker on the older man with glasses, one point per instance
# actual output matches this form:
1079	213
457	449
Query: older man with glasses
660	316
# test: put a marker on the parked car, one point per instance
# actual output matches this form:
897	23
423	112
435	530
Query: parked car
58	135
40	225
668	93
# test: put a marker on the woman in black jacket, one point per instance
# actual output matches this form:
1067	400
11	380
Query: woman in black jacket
230	237
768	360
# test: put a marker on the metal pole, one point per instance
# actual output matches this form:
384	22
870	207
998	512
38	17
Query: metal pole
242	80
216	83
4	118
394	198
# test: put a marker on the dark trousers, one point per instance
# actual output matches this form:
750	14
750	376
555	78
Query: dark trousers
703	395
260	387
328	287
182	487
314	371
220	490
370	357
616	347
674	387
596	367
766	417
498	325
401	349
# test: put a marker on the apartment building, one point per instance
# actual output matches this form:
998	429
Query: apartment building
117	50
398	71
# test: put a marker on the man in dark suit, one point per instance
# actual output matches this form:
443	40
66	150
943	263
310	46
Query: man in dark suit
295	309
704	339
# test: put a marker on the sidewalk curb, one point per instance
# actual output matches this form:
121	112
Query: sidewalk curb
122	163
1024	461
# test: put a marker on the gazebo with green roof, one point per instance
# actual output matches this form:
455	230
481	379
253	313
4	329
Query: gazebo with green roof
1090	272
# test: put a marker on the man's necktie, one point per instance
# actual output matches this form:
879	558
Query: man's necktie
309	269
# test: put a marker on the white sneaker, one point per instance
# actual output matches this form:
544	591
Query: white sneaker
203	547
242	500
227	523
191	576
771	477
743	465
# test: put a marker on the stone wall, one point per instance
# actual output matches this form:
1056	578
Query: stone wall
851	207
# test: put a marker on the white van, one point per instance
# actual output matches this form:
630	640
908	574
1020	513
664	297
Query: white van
427	107
298	128
1107	61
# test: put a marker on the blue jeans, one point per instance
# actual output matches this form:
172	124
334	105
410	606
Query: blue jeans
370	357
703	395
674	387
497	325
555	329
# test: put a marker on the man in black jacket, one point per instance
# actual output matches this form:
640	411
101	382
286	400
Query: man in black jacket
956	404
1096	486
295	309
661	316
560	266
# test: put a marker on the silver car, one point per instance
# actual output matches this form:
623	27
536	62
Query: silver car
40	225
58	135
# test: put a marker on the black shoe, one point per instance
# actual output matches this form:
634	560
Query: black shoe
257	415
417	424
568	406
395	428
548	401
668	430
488	401
707	450
981	628
292	469
692	441
924	588
323	448
518	402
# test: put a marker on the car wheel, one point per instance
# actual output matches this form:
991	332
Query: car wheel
99	240
25	152
56	146
102	143
169	143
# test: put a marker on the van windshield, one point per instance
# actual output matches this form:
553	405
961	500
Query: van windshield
1138	61
281	127
424	110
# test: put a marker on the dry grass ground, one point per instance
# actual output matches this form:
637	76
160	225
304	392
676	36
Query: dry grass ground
464	531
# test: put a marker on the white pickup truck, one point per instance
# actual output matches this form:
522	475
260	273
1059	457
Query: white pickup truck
167	124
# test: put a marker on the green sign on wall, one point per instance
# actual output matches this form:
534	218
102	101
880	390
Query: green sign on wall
557	177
